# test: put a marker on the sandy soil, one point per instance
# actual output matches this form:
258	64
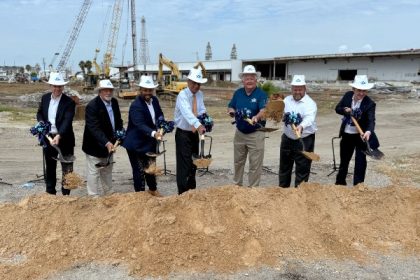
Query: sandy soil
308	232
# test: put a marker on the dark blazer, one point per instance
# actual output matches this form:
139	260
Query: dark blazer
98	128
63	120
140	126
367	118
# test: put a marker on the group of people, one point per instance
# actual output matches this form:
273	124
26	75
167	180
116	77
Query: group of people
248	107
104	126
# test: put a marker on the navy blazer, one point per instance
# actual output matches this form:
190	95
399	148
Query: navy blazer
98	128
63	120
140	126
367	118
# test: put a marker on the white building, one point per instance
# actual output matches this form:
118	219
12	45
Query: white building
381	66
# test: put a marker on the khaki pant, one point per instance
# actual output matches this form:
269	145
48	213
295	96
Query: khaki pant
93	175
253	144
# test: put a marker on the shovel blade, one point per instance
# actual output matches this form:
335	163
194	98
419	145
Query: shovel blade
375	154
311	155
66	159
150	154
102	164
267	129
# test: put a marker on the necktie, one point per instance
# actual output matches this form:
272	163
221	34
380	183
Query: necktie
195	105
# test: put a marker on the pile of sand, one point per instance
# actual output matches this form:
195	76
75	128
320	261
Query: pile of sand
221	229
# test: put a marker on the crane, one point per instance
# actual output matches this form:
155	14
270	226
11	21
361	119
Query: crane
74	34
113	36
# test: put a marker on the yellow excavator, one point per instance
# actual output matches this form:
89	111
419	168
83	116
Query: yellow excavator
169	84
172	84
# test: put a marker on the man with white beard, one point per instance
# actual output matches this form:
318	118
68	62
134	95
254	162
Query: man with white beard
103	119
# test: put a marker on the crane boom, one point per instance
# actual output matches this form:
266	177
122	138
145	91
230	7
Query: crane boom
113	36
74	34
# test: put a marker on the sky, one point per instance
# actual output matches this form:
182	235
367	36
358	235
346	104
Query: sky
31	31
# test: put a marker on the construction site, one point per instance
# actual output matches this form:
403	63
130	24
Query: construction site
218	231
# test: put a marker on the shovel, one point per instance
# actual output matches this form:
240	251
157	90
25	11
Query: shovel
260	127
201	161
108	160
375	154
60	157
159	140
308	155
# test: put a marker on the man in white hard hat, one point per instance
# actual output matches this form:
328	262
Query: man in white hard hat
189	104
357	104
302	108
142	135
102	121
249	103
58	109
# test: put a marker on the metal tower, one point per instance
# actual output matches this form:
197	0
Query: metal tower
233	54
134	32
74	34
209	54
144	45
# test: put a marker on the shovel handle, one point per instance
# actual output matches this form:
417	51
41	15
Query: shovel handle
296	131
161	134
117	143
249	121
359	129
49	138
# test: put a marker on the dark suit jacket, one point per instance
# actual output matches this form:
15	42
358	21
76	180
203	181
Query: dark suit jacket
63	120
367	118
98	128
140	126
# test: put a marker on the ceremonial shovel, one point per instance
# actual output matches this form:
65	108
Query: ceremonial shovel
308	155
375	154
108	161
260	127
61	158
202	161
159	140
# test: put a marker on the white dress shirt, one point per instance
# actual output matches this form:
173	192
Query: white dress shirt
52	112
183	116
351	129
307	108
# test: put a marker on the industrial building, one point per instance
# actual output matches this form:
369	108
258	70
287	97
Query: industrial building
401	65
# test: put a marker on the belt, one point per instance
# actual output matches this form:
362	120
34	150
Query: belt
183	130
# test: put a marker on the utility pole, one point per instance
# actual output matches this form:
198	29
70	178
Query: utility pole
133	37
144	45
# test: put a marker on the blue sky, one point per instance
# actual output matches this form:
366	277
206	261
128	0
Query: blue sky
31	30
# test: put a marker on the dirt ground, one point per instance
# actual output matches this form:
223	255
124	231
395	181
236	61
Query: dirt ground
219	230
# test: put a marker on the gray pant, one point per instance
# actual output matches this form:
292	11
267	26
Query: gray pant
252	143
94	175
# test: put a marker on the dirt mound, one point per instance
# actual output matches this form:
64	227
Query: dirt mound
220	229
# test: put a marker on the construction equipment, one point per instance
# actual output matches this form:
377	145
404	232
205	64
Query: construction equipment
203	69
74	34
172	84
113	37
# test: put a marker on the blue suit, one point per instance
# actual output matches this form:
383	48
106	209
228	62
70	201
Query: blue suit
139	140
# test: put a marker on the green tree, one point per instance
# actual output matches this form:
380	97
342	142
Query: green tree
82	66
88	65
